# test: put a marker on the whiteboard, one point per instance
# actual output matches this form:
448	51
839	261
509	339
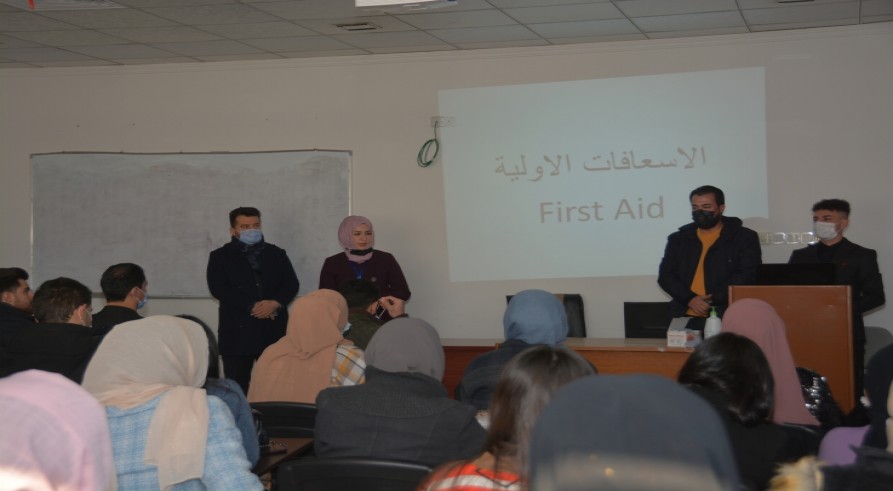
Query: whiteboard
167	212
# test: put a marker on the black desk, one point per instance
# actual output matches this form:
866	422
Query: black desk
294	447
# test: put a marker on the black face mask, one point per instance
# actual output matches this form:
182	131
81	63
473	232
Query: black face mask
705	219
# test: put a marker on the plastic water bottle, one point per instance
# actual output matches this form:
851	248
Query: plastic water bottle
713	324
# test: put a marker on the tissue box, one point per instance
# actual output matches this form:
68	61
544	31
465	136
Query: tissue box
679	336
686	338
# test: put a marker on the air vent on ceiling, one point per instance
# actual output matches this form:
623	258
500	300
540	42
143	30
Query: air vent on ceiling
46	5
358	26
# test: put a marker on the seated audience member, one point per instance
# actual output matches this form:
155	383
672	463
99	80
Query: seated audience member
839	445
54	436
872	470
758	321
125	289
62	341
630	432
532	317
878	377
15	302
229	392
364	301
166	432
523	389
311	356
732	374
403	411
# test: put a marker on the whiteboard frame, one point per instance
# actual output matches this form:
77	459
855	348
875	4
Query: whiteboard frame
308	232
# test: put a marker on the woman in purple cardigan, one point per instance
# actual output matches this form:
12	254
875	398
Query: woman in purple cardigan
360	261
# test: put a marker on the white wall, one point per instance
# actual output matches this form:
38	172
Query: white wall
830	134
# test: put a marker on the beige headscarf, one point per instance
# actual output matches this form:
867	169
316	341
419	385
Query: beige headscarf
299	365
141	359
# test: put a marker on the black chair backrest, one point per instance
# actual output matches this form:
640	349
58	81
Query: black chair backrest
646	319
287	419
351	474
573	306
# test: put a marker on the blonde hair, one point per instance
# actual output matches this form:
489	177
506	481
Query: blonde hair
803	475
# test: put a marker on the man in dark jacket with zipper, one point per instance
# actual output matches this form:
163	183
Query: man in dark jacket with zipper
703	258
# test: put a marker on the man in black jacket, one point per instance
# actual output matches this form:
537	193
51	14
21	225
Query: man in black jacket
254	281
15	302
855	266
126	290
703	258
62	340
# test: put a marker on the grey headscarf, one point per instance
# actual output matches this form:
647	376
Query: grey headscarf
535	317
407	344
630	432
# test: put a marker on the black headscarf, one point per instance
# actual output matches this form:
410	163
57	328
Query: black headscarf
630	432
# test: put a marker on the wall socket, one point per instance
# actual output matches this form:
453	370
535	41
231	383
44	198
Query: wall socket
443	121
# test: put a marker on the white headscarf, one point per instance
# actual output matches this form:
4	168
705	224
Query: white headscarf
139	360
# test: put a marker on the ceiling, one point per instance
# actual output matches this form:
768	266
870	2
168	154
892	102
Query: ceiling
192	31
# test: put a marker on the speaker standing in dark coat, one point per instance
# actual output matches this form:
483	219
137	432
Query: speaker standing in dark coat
855	266
254	282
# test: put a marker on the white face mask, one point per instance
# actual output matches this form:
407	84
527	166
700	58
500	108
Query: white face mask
825	230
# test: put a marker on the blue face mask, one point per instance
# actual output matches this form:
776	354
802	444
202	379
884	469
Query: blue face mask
250	236
142	303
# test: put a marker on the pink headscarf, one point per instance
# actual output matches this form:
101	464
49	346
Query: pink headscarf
344	233
758	321
55	435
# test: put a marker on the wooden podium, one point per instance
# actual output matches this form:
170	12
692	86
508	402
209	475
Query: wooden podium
819	321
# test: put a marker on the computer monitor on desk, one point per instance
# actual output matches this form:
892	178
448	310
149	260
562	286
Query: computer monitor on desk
646	319
796	274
